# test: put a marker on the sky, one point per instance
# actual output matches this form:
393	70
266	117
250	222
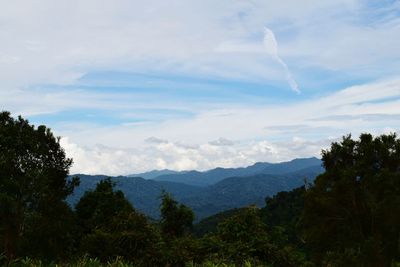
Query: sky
132	86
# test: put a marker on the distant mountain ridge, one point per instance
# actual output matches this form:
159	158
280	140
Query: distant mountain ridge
154	173
226	193
218	174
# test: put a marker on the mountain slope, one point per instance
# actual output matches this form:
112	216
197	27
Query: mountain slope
235	192
227	193
143	194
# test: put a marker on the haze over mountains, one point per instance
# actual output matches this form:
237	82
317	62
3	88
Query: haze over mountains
211	191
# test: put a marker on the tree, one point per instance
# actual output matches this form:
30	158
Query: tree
110	227
50	233
97	208
282	213
33	182
244	237
352	213
175	219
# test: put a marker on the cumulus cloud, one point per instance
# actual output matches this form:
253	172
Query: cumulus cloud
116	161
272	133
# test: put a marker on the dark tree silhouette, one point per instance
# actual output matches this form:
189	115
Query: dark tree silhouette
111	227
175	219
352	213
33	184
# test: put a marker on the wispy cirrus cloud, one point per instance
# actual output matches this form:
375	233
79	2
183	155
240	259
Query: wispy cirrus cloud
59	42
271	45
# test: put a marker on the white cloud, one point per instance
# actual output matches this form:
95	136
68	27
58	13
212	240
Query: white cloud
57	42
272	133
271	46
156	140
116	161
222	142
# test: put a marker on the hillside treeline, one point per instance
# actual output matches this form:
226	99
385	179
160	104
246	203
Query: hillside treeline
350	215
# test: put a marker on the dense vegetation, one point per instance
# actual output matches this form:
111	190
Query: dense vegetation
350	215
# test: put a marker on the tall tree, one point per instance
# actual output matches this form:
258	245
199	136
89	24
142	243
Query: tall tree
97	208
110	227
352	213
33	180
176	219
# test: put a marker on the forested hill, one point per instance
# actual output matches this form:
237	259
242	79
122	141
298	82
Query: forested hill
227	193
143	194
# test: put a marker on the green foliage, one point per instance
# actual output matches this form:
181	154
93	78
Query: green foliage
111	227
82	262
177	247
176	220
282	214
50	234
96	209
179	251
352	213
244	237
33	175
209	225
223	264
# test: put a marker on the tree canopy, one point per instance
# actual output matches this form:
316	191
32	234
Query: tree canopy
352	213
176	219
33	185
98	208
111	227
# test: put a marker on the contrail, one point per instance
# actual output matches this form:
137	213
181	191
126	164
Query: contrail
271	46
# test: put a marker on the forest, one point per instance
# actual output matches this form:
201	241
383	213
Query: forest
349	216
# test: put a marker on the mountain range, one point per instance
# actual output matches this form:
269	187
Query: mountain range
218	174
208	192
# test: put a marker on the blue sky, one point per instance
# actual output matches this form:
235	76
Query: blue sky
132	86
